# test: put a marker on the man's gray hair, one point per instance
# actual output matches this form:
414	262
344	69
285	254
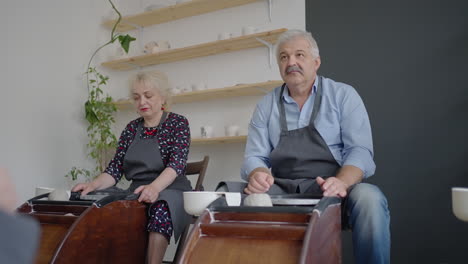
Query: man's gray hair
297	33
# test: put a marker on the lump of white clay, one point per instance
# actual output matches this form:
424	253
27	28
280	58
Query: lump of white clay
58	195
258	199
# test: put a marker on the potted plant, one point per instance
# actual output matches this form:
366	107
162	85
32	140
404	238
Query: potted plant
99	110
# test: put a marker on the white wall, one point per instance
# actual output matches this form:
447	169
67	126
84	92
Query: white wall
246	66
47	45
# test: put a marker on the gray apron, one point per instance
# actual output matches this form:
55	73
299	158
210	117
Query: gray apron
300	156
143	164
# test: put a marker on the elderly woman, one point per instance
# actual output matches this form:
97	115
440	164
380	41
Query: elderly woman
152	153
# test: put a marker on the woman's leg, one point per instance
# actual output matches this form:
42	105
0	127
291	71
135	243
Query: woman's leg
160	231
157	245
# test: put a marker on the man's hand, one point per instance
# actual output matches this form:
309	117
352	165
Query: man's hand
259	182
333	187
149	193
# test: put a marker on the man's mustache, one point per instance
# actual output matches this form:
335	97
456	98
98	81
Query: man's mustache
293	68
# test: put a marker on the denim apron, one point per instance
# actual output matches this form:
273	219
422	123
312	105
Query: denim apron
143	164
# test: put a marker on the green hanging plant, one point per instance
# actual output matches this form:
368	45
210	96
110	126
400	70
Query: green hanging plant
99	114
99	110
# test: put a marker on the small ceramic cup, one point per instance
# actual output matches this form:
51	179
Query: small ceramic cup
151	47
198	87
224	35
164	45
248	30
231	130
185	88
176	90
206	131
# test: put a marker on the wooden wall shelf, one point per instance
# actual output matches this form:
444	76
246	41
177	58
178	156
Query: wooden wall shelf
218	140
174	12
219	93
200	50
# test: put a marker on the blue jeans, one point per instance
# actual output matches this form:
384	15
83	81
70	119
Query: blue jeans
366	213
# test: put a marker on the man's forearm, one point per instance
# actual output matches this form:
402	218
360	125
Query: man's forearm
350	175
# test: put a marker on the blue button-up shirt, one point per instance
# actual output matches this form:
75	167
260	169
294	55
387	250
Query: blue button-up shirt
342	122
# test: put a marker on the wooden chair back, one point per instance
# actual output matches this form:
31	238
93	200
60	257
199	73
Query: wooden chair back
198	168
193	168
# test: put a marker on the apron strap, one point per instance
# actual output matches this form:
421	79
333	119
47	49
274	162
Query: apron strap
138	131
282	114
315	110
317	101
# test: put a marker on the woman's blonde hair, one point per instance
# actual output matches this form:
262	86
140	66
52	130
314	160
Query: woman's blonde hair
156	80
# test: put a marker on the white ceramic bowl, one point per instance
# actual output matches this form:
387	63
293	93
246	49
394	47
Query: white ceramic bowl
196	202
460	203
41	190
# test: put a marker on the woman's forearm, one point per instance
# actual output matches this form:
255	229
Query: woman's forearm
167	176
104	180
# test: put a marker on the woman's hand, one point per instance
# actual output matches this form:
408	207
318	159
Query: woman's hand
104	180
85	188
148	193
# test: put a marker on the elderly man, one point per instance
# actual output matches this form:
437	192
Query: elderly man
312	135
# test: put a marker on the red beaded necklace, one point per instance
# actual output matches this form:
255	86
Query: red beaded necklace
151	132
154	130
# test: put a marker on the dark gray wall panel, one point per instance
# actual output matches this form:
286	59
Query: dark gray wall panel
408	60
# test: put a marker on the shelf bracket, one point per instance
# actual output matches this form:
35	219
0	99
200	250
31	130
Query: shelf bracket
270	6
140	37
270	49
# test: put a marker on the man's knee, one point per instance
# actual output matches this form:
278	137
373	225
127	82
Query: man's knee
367	196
